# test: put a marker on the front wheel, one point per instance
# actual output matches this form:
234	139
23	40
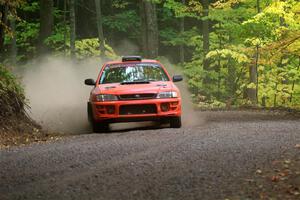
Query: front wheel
175	122
100	127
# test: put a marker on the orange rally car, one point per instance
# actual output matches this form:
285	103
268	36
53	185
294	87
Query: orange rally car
133	89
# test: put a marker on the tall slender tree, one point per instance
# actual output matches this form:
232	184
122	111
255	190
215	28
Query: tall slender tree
100	26
205	32
46	24
149	29
253	91
65	25
182	24
72	28
13	49
144	46
3	24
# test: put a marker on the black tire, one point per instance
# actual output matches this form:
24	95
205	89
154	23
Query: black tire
98	127
89	112
163	121
175	122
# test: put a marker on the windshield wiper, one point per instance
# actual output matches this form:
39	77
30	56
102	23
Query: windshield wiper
134	82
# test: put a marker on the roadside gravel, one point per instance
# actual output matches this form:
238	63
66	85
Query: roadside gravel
210	160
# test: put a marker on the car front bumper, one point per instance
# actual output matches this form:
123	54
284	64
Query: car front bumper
136	110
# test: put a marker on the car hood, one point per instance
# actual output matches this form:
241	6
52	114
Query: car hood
117	88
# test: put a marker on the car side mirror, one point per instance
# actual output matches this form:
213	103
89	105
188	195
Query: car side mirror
177	78
90	82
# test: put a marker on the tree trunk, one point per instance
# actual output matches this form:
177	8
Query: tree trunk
46	24
86	11
181	48
13	50
280	65
99	26
219	77
219	64
144	47
253	92
231	84
293	85
150	29
72	28
205	32
3	18
65	25
258	6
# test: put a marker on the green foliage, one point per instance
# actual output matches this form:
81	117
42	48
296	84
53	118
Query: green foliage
123	22
12	99
119	4
87	48
239	38
237	31
227	53
212	104
174	38
192	9
26	39
30	6
59	39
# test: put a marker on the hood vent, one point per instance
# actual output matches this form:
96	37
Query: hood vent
135	82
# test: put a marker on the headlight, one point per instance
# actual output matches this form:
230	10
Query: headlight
106	97
168	94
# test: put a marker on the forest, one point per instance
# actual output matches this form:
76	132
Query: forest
240	106
234	53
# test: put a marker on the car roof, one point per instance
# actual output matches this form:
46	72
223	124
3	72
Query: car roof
120	61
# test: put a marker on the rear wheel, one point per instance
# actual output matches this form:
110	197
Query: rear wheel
175	122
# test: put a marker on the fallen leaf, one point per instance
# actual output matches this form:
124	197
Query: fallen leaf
275	162
287	161
296	193
284	173
258	171
286	166
249	180
275	178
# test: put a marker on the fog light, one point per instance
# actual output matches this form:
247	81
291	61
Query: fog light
174	103
110	109
165	107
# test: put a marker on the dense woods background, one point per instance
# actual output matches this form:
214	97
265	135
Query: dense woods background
234	53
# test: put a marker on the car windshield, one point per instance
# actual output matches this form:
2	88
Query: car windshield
131	73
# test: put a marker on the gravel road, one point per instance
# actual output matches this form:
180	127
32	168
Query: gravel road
211	160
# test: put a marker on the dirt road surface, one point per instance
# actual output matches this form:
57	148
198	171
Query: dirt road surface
211	160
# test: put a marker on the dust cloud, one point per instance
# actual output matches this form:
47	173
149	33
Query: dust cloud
57	94
189	116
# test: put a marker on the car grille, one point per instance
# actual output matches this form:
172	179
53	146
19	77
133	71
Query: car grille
137	96
137	109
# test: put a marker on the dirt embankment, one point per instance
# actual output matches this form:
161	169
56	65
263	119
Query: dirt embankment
16	127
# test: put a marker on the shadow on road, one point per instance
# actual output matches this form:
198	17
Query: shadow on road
132	126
